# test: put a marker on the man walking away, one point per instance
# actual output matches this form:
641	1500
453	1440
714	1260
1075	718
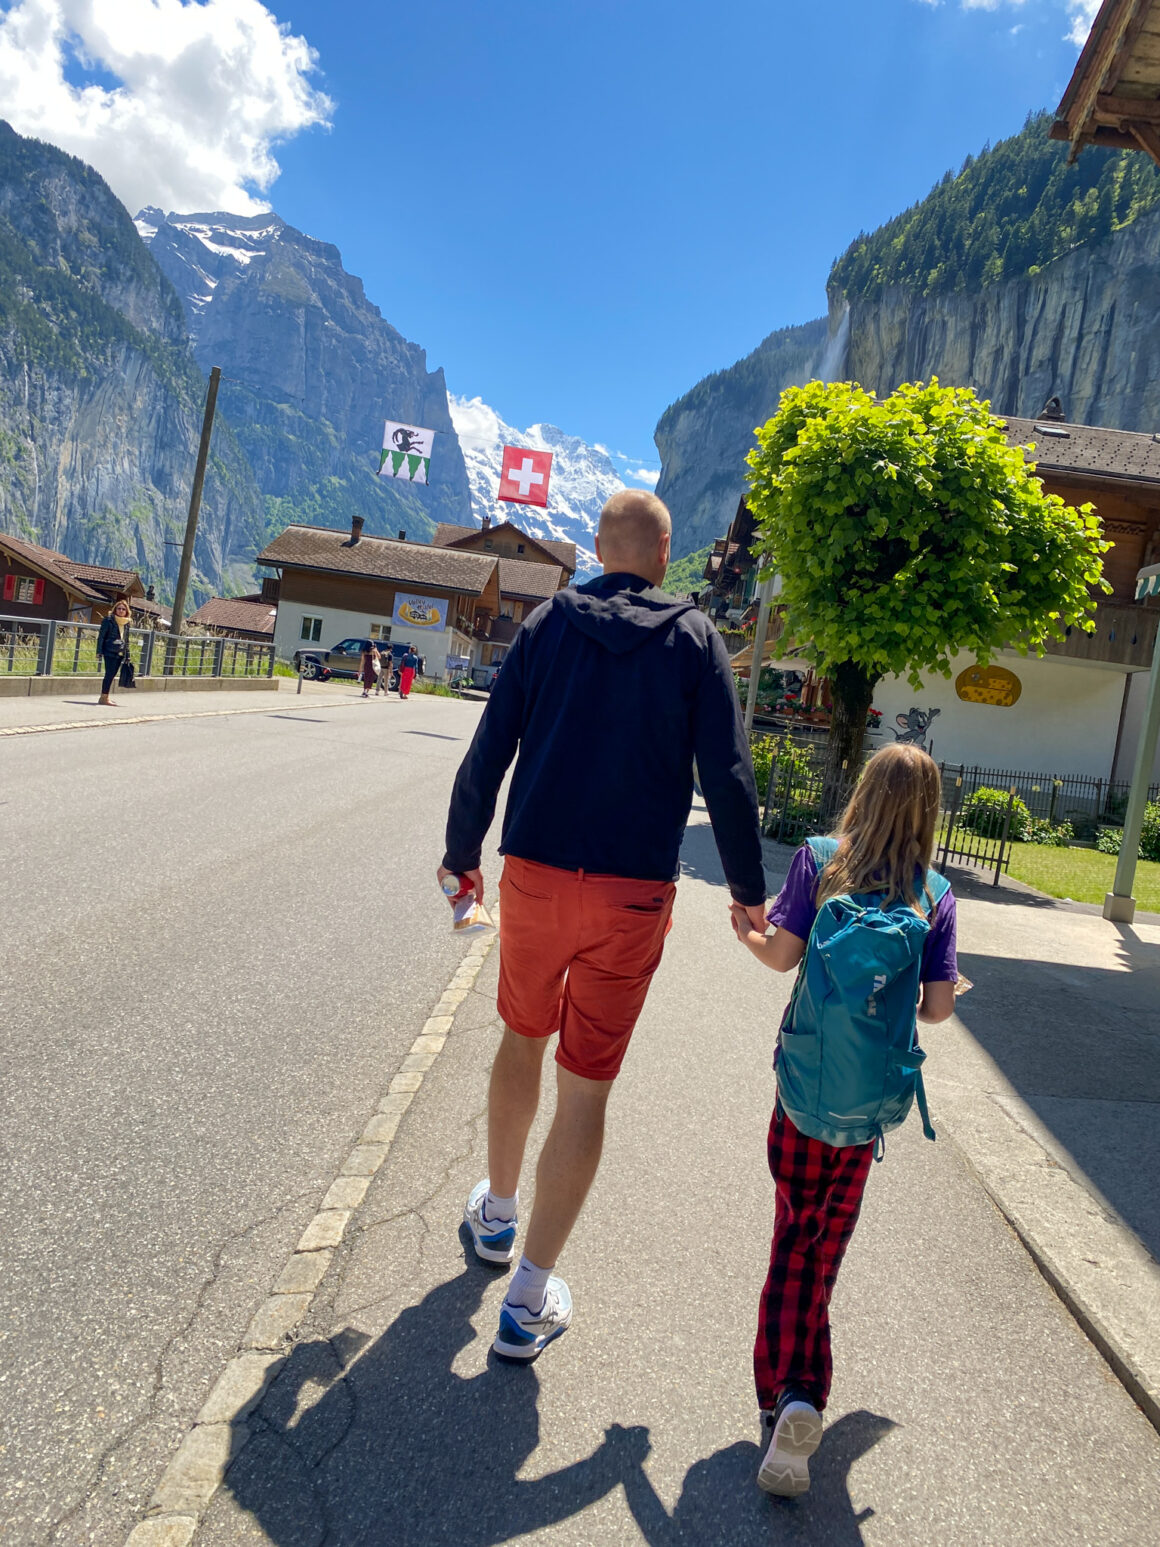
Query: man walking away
608	692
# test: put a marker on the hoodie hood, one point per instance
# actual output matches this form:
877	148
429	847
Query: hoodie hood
619	611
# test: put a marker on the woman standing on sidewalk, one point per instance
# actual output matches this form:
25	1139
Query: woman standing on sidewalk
113	647
848	1066
410	666
368	667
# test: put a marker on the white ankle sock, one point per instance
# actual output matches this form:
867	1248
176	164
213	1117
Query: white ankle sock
529	1285
500	1211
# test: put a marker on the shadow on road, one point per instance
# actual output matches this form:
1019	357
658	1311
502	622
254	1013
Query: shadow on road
361	1443
721	1506
400	1449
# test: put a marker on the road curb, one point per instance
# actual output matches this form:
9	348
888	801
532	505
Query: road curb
149	719
219	1433
1096	1265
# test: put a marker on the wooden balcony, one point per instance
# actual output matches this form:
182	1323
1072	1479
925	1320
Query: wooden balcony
1123	635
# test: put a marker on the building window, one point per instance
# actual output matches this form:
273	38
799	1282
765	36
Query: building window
23	588
517	611
311	629
519	547
380	631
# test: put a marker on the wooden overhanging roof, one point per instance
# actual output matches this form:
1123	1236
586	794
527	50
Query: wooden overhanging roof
1113	97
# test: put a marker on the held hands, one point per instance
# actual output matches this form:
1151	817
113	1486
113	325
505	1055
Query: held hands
474	876
749	924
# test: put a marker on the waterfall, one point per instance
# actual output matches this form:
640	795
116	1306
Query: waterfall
832	366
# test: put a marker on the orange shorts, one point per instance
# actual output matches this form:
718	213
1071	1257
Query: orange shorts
576	955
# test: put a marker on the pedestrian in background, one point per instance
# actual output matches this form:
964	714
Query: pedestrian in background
608	692
368	669
407	673
848	1066
113	647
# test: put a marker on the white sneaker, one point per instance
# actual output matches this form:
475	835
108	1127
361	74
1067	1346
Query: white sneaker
494	1239
795	1432
523	1334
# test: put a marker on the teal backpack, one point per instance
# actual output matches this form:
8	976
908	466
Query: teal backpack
848	1061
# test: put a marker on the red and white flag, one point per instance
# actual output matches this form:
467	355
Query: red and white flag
524	479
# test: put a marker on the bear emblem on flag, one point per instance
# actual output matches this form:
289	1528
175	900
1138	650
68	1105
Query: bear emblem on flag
525	474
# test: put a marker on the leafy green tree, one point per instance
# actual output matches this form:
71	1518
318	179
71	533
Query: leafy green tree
905	531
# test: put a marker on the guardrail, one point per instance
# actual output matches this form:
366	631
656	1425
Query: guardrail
35	647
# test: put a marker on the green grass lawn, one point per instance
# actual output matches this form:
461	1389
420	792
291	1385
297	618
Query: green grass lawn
1084	875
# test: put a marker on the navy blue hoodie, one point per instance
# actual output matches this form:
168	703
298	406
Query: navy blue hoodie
608	692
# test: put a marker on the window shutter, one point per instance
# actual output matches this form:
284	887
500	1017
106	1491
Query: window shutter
9	587
38	593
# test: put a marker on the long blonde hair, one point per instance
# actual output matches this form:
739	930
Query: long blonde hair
886	834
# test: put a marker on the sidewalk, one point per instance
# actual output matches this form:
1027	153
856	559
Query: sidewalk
968	1407
1049	1081
249	695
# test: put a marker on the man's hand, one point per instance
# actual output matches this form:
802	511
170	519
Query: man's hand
474	876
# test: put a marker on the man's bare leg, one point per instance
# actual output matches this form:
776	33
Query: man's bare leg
512	1101
568	1164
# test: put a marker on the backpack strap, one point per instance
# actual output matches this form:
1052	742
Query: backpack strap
923	1109
823	850
938	886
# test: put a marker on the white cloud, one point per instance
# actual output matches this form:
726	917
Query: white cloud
475	421
186	99
1081	13
648	475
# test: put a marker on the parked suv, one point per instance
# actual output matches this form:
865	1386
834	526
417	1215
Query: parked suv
343	659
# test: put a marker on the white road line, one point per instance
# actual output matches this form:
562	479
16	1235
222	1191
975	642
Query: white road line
148	719
195	1473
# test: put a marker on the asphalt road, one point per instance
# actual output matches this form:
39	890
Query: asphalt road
220	937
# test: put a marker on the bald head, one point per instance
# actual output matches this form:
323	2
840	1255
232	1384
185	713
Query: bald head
634	536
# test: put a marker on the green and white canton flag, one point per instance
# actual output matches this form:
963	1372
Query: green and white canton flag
406	452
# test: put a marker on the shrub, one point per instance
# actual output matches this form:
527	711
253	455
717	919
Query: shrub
985	813
1111	839
1048	834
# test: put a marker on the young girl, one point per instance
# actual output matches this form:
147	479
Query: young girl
885	844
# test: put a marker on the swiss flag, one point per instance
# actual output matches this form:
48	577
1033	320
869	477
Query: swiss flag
524	479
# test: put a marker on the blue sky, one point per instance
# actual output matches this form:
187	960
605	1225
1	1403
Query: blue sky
580	209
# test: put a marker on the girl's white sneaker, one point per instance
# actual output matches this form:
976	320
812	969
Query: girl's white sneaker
795	1432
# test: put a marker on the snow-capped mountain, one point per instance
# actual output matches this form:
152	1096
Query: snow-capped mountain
583	478
202	249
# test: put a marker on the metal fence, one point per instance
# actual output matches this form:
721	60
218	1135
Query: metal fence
977	833
32	647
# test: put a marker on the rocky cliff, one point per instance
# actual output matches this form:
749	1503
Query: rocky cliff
1086	328
100	396
311	370
1020	276
704	436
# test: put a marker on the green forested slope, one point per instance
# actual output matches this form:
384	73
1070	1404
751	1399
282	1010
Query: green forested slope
1006	213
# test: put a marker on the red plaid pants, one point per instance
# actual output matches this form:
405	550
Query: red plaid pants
819	1193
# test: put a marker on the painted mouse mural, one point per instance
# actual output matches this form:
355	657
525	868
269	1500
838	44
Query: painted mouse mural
914	725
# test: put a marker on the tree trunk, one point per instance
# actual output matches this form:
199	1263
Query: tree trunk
853	692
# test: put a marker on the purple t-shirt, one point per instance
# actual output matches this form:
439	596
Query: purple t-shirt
794	909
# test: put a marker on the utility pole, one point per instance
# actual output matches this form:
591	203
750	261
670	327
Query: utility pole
766	592
215	377
1119	903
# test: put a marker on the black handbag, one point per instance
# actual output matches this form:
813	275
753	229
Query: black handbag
128	670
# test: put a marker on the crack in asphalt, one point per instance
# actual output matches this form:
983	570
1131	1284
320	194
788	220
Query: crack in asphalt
102	1463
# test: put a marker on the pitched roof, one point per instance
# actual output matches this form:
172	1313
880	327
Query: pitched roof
101	574
52	565
228	612
448	535
1087	448
517	577
380	558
